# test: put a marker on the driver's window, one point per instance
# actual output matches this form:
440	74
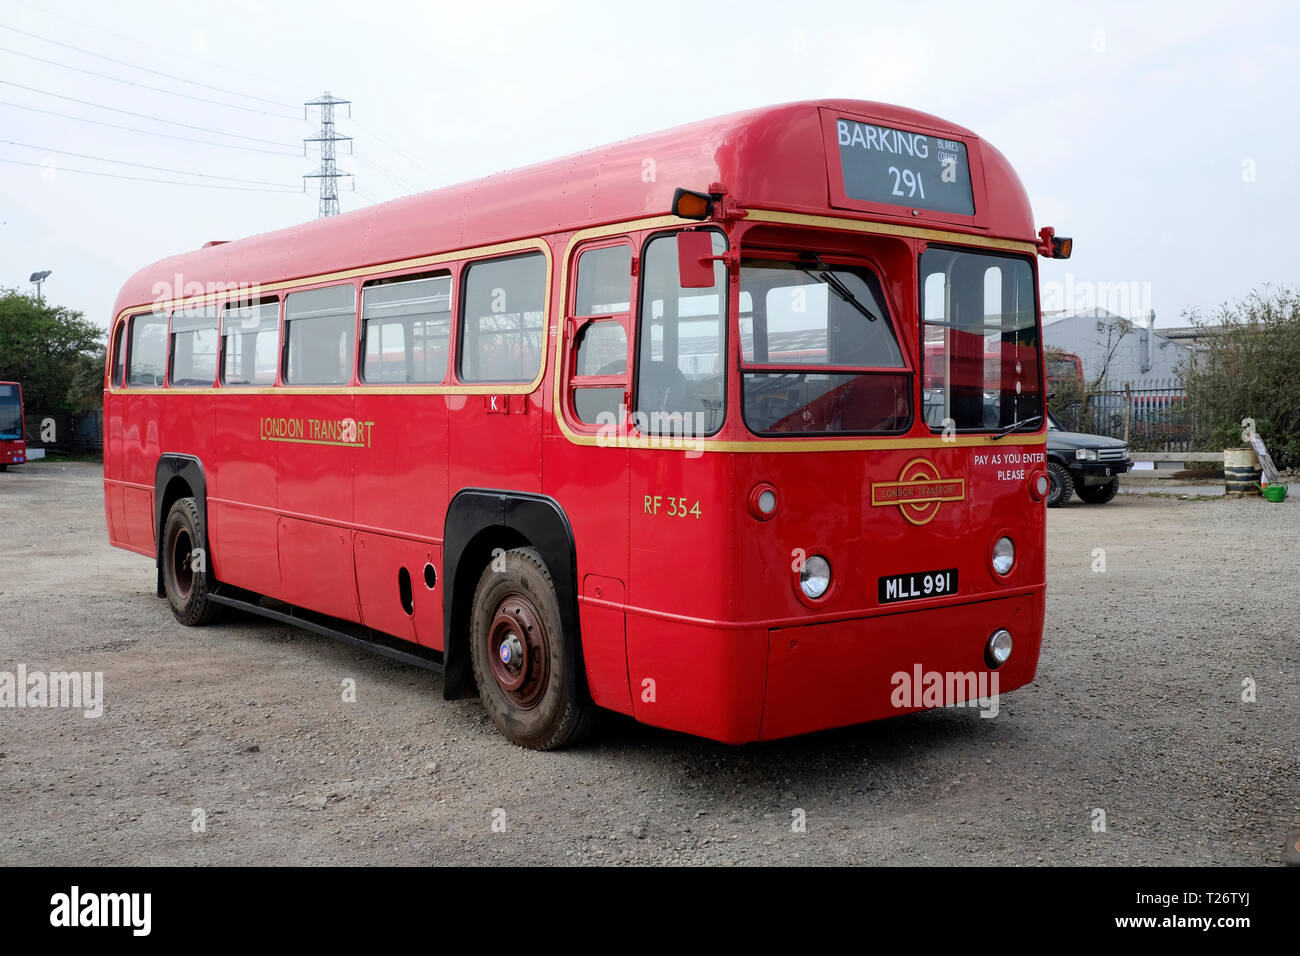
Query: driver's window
599	311
681	352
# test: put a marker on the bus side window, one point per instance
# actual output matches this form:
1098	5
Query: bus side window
406	327
119	356
681	355
319	328
148	350
194	346
249	336
502	309
598	368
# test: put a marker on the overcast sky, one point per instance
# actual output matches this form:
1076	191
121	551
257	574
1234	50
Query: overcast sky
1163	138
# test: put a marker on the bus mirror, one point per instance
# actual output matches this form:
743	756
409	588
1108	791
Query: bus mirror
695	260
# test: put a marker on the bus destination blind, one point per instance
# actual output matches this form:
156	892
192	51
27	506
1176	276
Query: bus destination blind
903	168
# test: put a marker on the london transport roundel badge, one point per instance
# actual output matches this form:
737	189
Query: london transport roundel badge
919	492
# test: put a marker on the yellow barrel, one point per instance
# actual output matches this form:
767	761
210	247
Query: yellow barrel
1241	471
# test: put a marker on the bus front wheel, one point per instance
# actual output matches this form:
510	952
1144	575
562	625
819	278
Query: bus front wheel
517	644
184	562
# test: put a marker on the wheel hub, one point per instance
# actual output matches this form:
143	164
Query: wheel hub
519	650
182	572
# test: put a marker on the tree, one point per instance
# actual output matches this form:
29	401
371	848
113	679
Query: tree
1064	386
1246	368
53	352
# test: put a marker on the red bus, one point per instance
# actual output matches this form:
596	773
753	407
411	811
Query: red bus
641	429
1063	367
13	443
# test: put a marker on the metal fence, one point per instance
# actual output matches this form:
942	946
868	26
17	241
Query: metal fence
67	434
1151	415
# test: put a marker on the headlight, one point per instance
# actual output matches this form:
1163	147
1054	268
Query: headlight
1004	555
998	649
1086	454
815	577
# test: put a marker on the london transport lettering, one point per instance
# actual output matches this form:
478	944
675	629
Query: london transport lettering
316	431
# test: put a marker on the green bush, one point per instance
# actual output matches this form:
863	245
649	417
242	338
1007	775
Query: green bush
1250	351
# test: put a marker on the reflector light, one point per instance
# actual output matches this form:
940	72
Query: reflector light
692	205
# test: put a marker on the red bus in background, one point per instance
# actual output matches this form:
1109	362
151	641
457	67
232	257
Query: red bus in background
695	427
13	443
1063	367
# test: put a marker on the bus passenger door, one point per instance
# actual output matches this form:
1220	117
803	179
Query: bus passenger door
586	463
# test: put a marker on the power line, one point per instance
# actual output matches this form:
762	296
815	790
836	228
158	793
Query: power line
145	86
144	69
394	179
153	46
144	179
413	162
123	162
146	132
155	119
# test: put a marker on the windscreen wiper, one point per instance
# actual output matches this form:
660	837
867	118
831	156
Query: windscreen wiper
1016	426
843	291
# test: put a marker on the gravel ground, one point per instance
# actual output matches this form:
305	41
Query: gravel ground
1137	711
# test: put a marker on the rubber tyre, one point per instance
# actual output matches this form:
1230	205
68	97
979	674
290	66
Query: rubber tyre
1098	494
4	467
187	590
1061	485
558	717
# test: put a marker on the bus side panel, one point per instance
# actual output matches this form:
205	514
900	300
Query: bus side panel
591	484
604	642
380	560
405	439
496	441
405	446
705	679
314	499
682	534
241	477
698	679
316	567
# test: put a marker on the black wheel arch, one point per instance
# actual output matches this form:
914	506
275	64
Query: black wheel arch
480	520
178	476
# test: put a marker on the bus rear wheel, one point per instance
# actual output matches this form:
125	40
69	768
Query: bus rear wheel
518	648
185	576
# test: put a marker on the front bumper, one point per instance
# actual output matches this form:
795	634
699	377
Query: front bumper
1100	472
738	685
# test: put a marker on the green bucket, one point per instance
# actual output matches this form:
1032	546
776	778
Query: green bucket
1275	492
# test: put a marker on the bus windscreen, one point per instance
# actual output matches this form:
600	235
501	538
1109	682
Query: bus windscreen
11	414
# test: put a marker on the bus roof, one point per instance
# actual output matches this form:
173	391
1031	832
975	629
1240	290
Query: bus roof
772	158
